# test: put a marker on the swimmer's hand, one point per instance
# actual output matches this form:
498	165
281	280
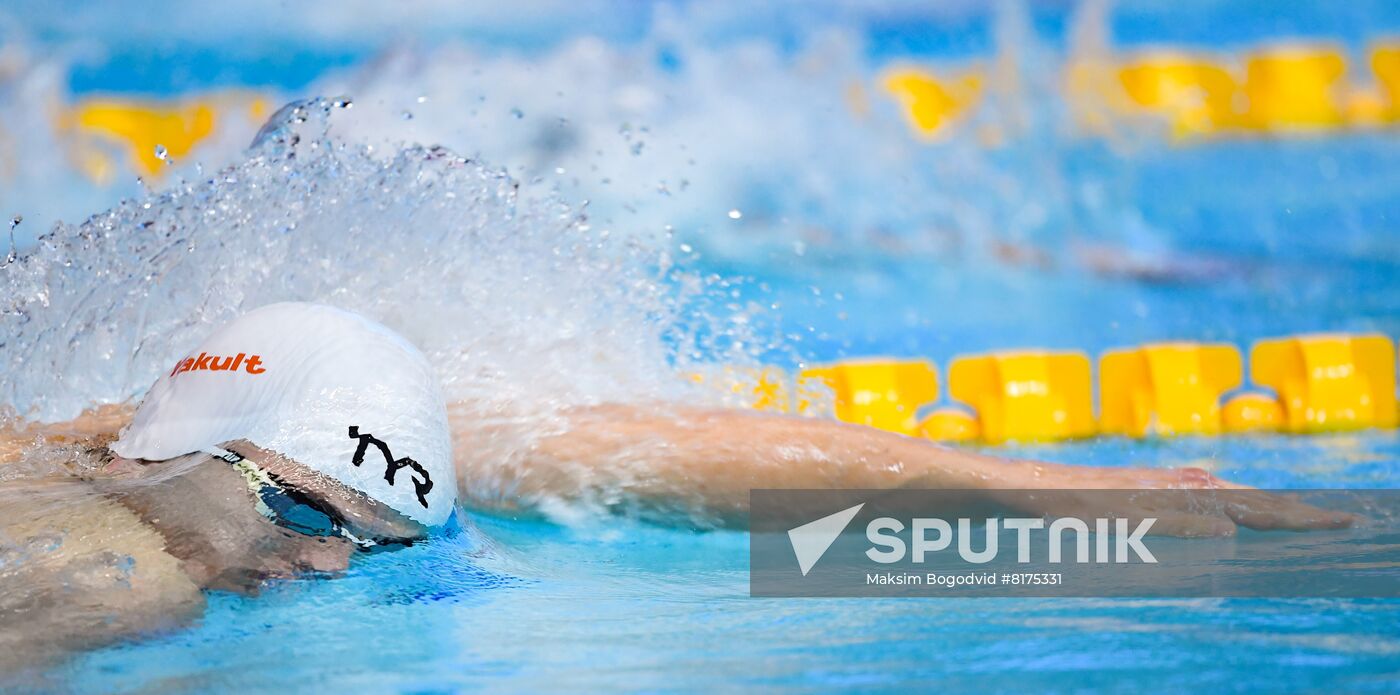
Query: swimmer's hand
1185	502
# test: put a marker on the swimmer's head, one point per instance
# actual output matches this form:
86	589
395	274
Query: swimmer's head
325	388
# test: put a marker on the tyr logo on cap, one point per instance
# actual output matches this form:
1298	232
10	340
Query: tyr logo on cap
215	363
421	487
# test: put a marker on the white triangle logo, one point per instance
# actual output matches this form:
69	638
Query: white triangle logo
811	540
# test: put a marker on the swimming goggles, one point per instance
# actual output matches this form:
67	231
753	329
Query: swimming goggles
286	506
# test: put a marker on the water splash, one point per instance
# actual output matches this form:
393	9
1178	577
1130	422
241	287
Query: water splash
13	252
522	305
801	140
839	168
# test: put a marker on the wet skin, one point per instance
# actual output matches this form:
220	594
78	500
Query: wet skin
698	466
128	548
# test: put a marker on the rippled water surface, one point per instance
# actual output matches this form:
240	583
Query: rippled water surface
584	220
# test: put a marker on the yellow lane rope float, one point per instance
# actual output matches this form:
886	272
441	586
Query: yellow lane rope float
1276	89
144	135
931	104
1329	383
1166	388
1026	395
1300	384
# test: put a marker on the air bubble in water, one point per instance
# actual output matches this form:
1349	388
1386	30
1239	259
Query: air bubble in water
735	214
517	113
163	154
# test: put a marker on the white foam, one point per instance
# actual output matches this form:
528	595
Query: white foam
513	303
676	128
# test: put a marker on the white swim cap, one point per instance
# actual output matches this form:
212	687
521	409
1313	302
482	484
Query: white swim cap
329	389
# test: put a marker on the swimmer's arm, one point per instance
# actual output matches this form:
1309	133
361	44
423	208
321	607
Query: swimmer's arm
109	577
97	425
705	461
11	447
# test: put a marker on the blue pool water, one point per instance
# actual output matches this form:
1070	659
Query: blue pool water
1263	237
524	605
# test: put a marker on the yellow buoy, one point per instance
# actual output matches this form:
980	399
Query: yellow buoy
931	104
1195	94
145	127
760	388
1252	412
1166	388
880	392
1295	87
1026	396
950	425
1385	65
1329	382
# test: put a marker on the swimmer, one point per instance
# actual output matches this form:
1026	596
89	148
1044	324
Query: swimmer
300	433
291	438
